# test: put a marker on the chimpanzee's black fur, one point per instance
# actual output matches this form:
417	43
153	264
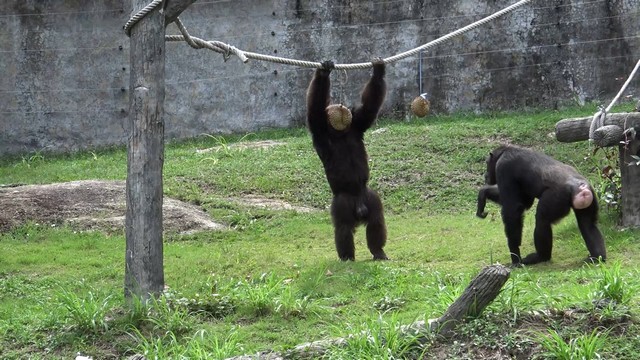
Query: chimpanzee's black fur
345	161
515	177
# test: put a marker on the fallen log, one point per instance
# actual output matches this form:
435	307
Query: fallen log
480	292
577	129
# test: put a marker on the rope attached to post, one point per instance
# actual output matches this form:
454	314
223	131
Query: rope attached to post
600	116
227	49
139	15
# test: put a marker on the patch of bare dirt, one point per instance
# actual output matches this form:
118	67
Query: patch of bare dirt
272	204
265	144
90	204
101	205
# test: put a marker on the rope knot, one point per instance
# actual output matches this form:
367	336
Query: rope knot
597	121
228	52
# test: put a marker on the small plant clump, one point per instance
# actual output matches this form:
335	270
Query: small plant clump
214	306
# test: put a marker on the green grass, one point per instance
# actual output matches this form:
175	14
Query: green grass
273	281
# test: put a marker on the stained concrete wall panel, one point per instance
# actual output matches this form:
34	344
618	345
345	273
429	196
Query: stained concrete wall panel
64	65
64	84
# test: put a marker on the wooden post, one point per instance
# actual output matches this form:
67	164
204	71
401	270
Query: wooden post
630	175
175	8
144	272
144	269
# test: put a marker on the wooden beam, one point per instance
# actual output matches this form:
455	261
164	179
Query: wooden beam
174	8
608	135
144	273
577	129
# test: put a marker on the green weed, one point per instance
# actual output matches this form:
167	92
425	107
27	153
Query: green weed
612	287
582	347
88	312
377	339
198	346
168	319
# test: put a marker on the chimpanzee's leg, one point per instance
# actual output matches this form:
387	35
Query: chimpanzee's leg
376	228
587	223
512	218
553	205
344	224
514	203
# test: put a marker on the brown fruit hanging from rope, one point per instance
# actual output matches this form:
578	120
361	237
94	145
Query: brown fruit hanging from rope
339	116
420	105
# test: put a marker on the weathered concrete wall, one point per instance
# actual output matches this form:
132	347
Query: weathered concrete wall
62	75
64	64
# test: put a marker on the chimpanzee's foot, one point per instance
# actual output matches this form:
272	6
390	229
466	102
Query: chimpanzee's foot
594	260
380	255
345	257
534	258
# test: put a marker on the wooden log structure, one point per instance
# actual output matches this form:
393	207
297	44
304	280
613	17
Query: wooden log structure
612	134
480	292
608	135
577	129
173	8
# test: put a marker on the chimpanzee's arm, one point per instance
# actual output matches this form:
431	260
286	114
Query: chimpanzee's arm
372	98
487	192
587	223
318	98
585	207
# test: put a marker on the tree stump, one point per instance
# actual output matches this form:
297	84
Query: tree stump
482	290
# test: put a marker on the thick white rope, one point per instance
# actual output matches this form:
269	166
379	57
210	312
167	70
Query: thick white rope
198	43
624	86
139	15
227	49
457	32
600	116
